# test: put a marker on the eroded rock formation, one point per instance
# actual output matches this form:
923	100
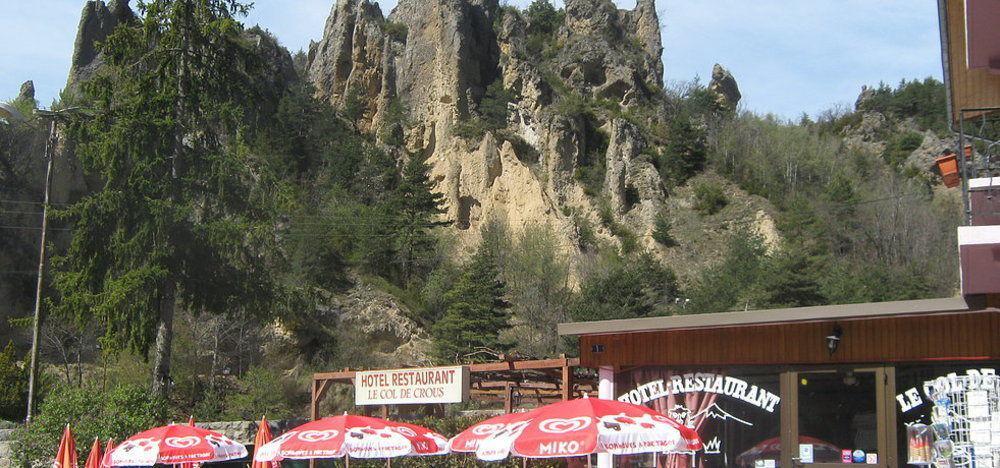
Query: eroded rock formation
97	21
438	57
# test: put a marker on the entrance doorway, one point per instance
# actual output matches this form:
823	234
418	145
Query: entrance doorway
834	416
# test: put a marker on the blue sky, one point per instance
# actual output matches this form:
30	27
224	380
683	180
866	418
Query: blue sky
789	56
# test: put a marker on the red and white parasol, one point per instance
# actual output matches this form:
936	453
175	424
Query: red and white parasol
176	444
355	437
582	427
95	456
106	458
66	455
468	440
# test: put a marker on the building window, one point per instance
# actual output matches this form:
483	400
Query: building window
736	413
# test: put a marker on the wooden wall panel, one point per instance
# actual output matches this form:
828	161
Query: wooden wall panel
975	88
971	335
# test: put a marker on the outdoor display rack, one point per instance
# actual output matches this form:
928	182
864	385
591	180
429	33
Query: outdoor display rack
965	427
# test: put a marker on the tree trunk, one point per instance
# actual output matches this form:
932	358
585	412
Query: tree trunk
164	340
168	297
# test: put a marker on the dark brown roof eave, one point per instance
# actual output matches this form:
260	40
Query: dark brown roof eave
769	316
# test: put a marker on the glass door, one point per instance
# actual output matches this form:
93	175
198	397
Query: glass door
839	416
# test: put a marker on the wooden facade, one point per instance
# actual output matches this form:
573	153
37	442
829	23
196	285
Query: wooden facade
971	335
969	88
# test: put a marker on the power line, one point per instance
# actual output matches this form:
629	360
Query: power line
31	228
21	212
29	202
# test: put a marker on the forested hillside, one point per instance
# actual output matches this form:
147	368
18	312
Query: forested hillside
231	218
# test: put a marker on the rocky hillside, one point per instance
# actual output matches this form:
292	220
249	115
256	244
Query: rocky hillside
581	100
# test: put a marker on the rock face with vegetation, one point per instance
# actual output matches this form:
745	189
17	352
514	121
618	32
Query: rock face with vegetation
97	21
521	115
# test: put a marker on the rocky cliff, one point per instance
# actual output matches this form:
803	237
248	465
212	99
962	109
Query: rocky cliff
438	58
97	20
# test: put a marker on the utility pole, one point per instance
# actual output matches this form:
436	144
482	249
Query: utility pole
36	326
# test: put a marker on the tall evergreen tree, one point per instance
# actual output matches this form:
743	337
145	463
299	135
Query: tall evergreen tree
418	206
176	220
477	312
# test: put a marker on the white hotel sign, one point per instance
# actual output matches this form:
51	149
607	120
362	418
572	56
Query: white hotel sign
412	386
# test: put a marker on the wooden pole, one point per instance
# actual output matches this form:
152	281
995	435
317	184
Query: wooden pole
508	398
36	325
567	380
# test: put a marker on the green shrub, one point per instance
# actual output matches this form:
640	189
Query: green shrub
13	386
262	390
354	105
493	113
396	31
629	241
709	198
585	231
91	411
592	167
625	287
470	129
900	146
661	231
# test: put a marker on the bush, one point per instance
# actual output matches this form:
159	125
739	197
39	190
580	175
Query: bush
709	198
585	231
661	231
264	391
13	386
625	287
396	31
591	169
900	146
91	411
493	113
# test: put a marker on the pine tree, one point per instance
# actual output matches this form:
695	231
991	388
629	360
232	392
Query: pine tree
176	220
788	279
417	206
477	312
630	287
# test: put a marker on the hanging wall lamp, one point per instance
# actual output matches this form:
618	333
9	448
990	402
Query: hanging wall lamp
833	339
